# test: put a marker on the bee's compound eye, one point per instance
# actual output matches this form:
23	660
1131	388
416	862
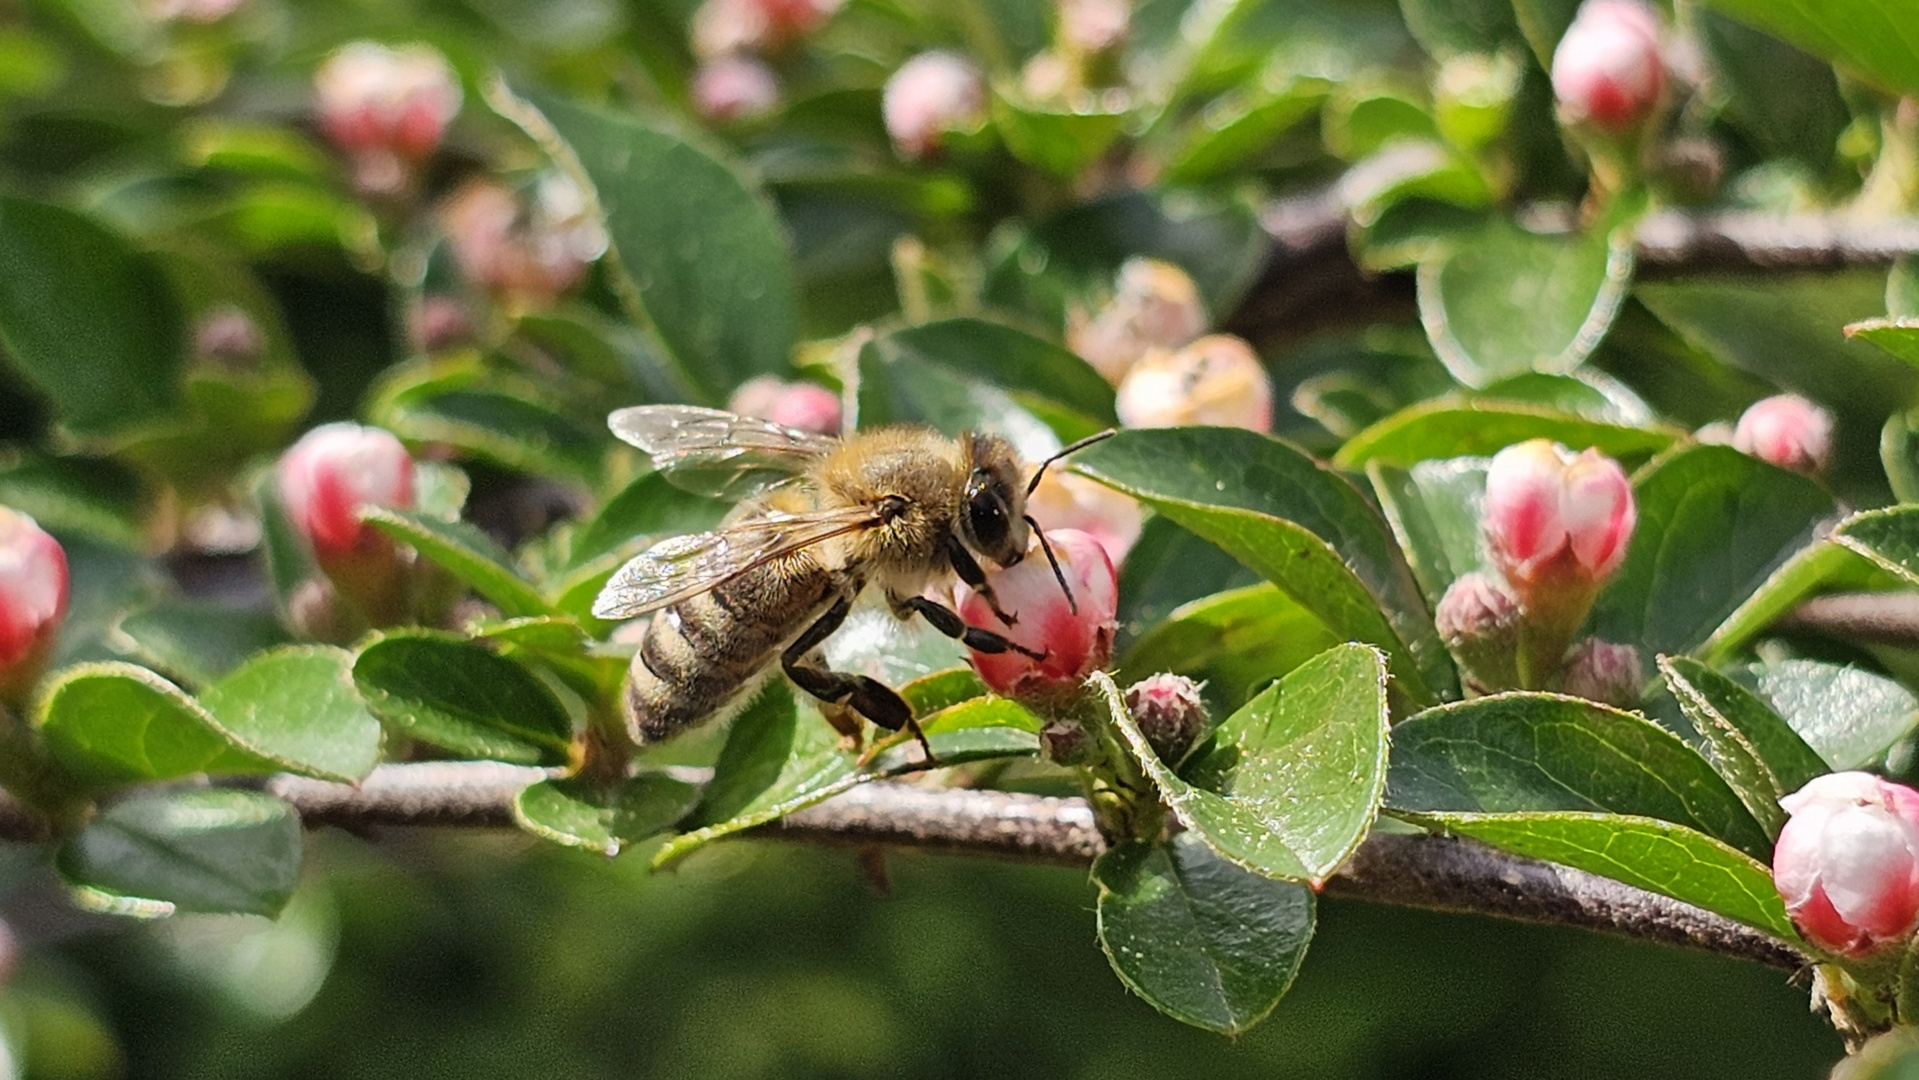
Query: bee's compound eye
987	521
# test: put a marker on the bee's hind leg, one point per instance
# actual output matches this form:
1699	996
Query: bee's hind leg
864	695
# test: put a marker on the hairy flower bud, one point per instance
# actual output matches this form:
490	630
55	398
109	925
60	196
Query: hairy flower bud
1788	431
1066	501
1478	619
1607	70
1555	517
931	94
525	256
1605	672
1170	713
1155	306
386	108
734	87
334	472
1067	742
1847	861
803	405
1217	380
1075	636
33	602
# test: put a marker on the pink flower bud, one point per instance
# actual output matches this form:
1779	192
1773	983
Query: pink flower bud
229	338
1217	380
734	88
524	256
1847	861
803	405
1066	501
1170	713
387	108
335	471
721	27
440	323
1787	431
1075	642
1605	672
931	94
1155	306
1607	70
33	601
1551	514
1093	26
1478	619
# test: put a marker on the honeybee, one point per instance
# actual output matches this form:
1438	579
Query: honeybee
896	509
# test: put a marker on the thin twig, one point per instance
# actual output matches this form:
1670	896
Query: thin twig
1870	618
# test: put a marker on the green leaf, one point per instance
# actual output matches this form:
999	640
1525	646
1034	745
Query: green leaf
1899	454
1453	428
1169	567
1512	753
1646	853
1041	376
650	507
1720	707
1294	522
460	697
1888	537
1434	509
1058	141
1818	566
1898	337
508	429
1239	127
1902	288
1508	301
198	642
298	708
1202	940
1287	786
1714	525
579	813
782	756
929	694
113	723
1784	100
218	851
1448	27
1235	642
88	320
1849	715
1872	39
468	554
704	252
96	496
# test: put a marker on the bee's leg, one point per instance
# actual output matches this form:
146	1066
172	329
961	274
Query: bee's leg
867	696
948	622
969	571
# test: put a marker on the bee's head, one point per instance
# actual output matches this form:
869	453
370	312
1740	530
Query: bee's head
993	522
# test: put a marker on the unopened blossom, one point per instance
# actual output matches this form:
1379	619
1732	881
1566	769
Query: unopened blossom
1607	70
1847	862
930	95
1217	380
1169	712
1155	306
1094	26
735	87
1606	672
332	474
1552	515
440	323
33	602
723	27
803	405
229	338
1788	431
386	108
524	254
1074	634
1478	619
1065	501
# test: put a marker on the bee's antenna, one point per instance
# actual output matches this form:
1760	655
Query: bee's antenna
1052	561
1068	449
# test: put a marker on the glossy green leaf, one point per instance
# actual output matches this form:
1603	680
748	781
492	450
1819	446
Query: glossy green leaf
1234	642
96	496
649	508
1038	374
1058	141
217	850
1168	568
1714	525
1647	853
468	554
1444	429
1508	301
1849	715
704	252
1818	566
1434	509
1293	521
197	642
1202	940
1898	337
1784	100
458	696
87	319
1716	704
1449	27
298	708
1871	39
1519	752
1237	128
1287	786
113	723
1888	537
1899	454
1902	288
578	813
929	694
509	429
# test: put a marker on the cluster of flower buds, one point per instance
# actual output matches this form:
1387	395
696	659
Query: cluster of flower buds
33	603
326	481
1155	306
731	38
1074	635
1607	71
1217	380
386	109
1847	862
803	405
931	95
1787	431
524	255
1556	526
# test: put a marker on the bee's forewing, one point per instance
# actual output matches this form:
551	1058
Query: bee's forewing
717	453
684	566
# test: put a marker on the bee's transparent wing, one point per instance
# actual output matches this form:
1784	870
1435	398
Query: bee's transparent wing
718	453
683	566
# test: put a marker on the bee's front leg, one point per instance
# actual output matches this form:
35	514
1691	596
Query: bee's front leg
948	622
867	696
